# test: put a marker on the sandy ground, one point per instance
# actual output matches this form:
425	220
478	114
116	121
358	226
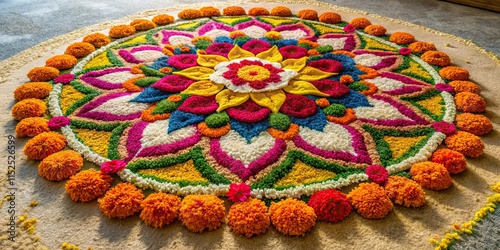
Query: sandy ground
61	220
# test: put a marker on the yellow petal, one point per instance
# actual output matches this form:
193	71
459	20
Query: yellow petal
228	98
272	99
195	73
210	60
203	88
313	74
272	55
237	53
303	88
294	64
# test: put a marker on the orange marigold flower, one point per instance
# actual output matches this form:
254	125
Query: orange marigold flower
470	102
163	19
61	165
142	24
249	218
190	14
233	11
88	185
32	126
322	102
454	73
43	145
330	17
80	49
292	217
97	39
121	31
28	108
452	160
438	58
37	90
404	191
346	79
61	61
165	70
202	212
209	11
307	14
375	30
465	143
313	52
370	201
121	201
465	86
281	11
431	175
258	11
43	74
402	38
360	22
160	209
474	124
421	47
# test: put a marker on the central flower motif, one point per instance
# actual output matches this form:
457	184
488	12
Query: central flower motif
252	75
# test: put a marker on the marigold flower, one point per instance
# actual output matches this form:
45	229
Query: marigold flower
97	39
190	14
238	192
209	11
37	90
465	143
307	14
80	49
421	47
465	86
281	11
57	122
258	11
249	218
121	201
360	22
470	102
438	58
375	30
31	126
142	24
431	175
88	185
402	38
330	205
474	124
404	191
330	17
163	19
273	35
113	166
61	165
292	217
452	160
377	174
42	74
61	61
121	31
202	212
160	209
236	33
454	73
370	201
43	145
233	11
322	102
28	108
346	79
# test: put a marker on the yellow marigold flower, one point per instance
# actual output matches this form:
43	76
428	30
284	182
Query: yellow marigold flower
330	17
292	217
97	39
402	38
43	145
61	61
431	175
43	74
233	11
80	49
202	212
120	31
258	11
142	24
281	11
121	201
307	14
190	14
61	165
160	209
209	11
370	201
32	126
249	218
496	187
37	90
199	38
360	22
273	35
163	19
28	108
88	185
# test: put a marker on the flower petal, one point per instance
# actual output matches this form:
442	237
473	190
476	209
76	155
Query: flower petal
196	73
210	60
272	55
237	53
303	88
313	74
272	99
203	88
228	98
294	64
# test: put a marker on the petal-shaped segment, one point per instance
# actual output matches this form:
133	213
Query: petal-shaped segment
210	60
238	53
196	73
313	74
295	64
272	99
272	55
303	88
228	98
203	88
